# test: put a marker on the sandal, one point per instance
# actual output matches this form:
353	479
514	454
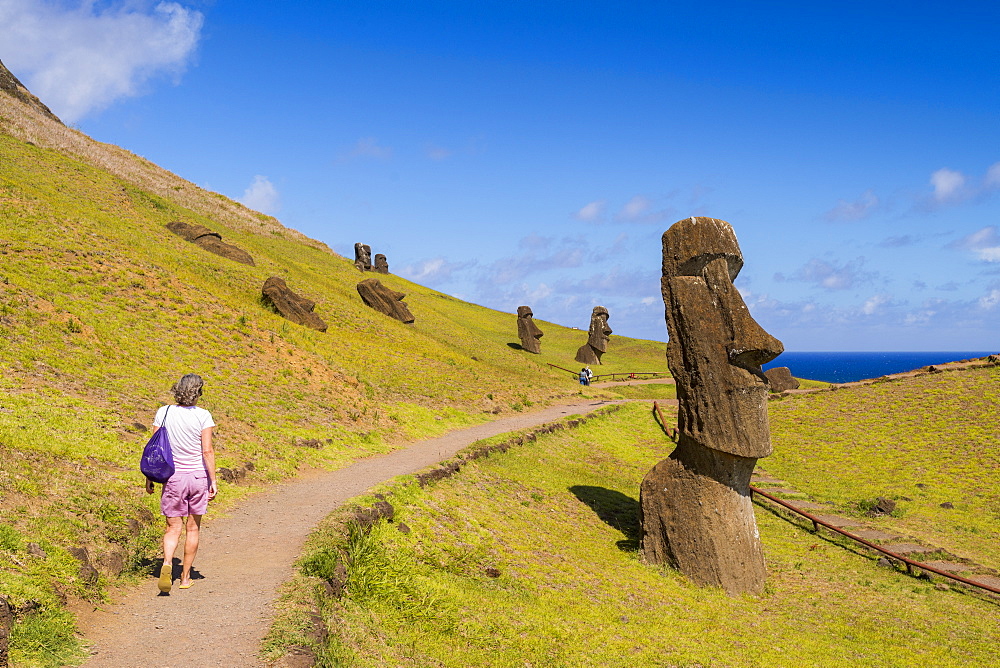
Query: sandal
166	578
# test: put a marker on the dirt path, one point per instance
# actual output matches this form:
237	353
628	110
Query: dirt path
245	557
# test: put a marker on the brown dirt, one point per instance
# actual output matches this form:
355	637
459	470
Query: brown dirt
245	556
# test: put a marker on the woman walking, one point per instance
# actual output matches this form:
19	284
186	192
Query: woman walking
185	496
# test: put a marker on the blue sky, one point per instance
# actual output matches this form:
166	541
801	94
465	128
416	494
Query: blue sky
533	152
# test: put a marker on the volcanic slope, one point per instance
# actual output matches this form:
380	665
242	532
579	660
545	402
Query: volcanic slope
102	308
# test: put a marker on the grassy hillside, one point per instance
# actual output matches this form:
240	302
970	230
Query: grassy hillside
531	558
102	308
922	441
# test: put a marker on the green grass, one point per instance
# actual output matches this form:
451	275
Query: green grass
921	441
557	520
102	308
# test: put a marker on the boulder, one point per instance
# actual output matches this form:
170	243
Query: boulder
597	338
695	507
210	241
290	305
528	331
381	264
384	300
363	256
781	379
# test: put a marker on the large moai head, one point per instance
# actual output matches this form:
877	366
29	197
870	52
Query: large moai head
716	347
384	299
600	333
528	331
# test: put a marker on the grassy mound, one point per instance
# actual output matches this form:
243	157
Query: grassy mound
531	558
102	308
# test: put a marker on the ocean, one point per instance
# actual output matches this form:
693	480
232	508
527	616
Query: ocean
847	367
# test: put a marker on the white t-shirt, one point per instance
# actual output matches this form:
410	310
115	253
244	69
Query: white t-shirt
184	427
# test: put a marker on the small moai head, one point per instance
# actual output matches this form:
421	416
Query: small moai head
363	256
528	331
600	333
381	265
716	347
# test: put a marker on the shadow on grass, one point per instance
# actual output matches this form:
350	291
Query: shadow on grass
615	509
515	346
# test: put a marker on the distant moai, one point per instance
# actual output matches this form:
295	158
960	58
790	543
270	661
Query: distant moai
384	300
363	256
528	331
695	506
597	338
381	264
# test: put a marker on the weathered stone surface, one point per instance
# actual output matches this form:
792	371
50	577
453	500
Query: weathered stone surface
384	300
597	338
363	256
883	506
12	86
6	623
781	379
209	240
296	308
87	571
528	331
695	506
220	247
190	232
381	264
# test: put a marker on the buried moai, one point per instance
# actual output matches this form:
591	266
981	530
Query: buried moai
363	256
290	305
695	506
381	264
384	300
528	331
597	339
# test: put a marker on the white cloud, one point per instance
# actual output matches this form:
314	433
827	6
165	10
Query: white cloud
992	179
873	304
261	195
855	210
990	301
984	244
831	276
81	56
591	213
947	184
639	209
649	301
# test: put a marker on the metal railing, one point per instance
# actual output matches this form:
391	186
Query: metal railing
910	563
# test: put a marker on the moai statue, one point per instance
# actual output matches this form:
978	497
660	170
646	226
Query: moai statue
695	506
597	340
363	256
528	331
384	300
381	264
290	305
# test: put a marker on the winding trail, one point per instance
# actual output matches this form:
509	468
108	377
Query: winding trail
245	556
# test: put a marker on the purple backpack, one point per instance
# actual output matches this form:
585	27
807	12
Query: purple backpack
157	461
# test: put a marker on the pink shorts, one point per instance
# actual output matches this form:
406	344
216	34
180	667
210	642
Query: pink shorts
185	494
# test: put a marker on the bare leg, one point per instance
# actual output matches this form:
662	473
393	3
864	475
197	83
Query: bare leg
170	539
190	547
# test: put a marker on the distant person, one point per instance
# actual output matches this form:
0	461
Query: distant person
590	374
584	378
185	496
